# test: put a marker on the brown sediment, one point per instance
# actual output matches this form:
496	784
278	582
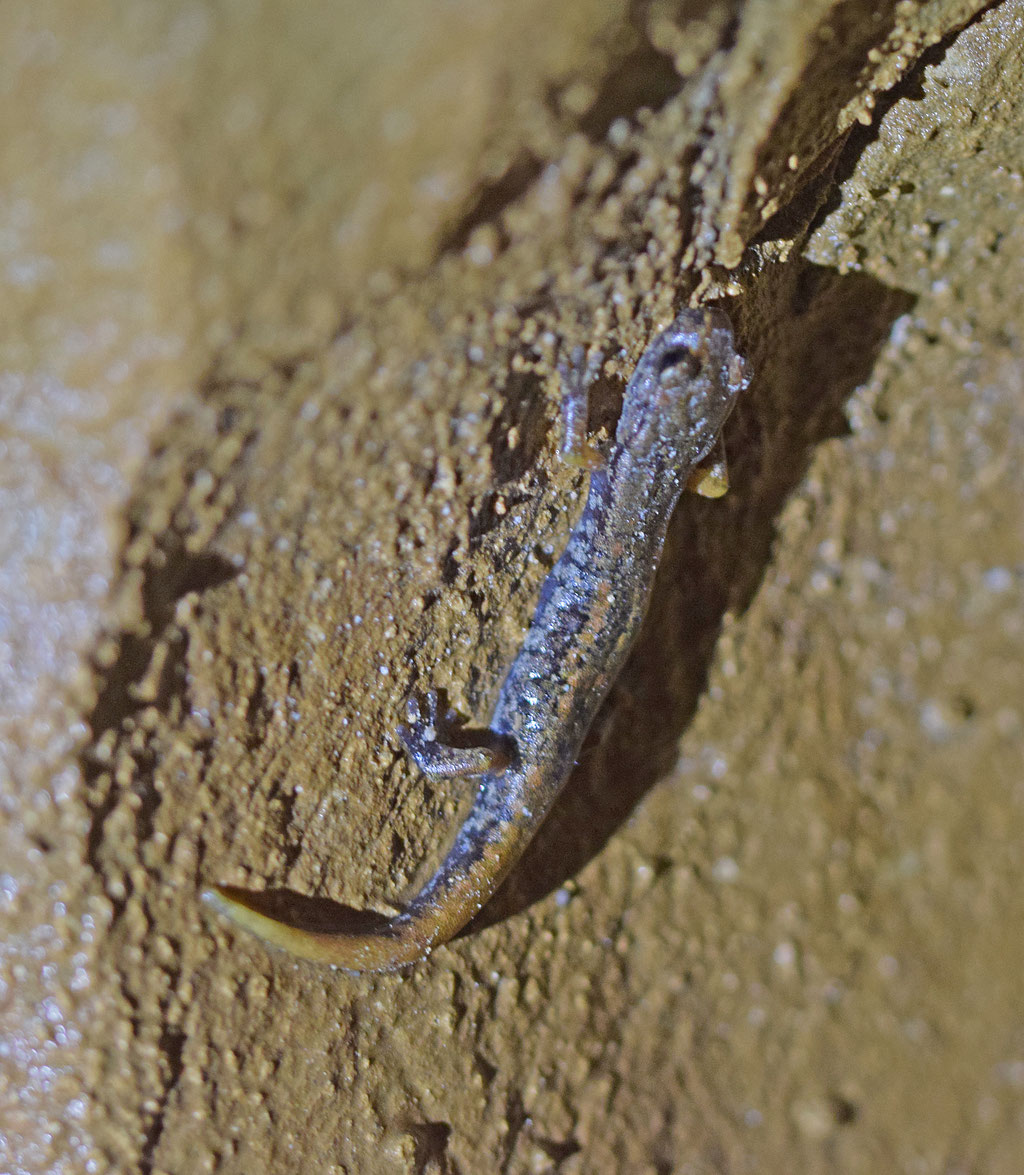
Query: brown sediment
768	926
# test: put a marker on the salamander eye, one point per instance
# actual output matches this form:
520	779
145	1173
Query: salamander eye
676	364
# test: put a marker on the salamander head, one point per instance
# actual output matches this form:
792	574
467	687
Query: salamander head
682	391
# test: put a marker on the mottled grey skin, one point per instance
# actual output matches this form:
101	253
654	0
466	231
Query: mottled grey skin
590	610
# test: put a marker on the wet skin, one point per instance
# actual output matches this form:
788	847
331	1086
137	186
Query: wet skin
590	609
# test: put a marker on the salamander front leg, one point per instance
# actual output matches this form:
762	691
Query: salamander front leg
576	377
711	477
709	480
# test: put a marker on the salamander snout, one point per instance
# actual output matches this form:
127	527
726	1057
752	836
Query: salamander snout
684	387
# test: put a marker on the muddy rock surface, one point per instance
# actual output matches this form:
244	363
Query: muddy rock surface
285	295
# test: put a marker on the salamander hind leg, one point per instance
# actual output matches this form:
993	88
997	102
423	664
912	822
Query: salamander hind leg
363	940
423	735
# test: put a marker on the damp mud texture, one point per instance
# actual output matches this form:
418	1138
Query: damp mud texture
285	295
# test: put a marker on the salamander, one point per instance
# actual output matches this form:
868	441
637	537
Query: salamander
590	609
